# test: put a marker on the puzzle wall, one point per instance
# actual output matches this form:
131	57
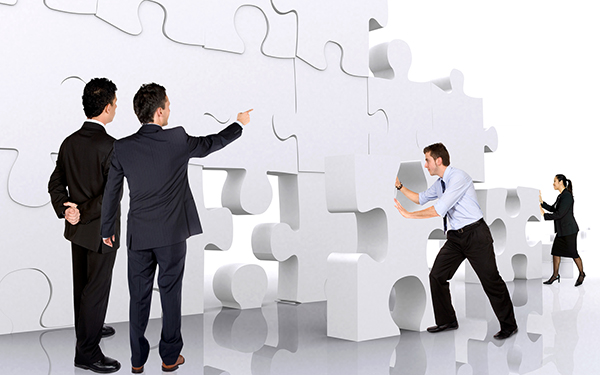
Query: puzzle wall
334	123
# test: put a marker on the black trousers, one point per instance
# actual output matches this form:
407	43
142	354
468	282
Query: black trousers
92	277
475	244
140	272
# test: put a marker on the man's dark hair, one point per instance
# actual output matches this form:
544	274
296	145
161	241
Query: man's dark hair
97	94
147	100
438	150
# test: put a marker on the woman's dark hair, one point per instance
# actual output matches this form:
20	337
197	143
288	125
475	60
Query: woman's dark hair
147	100
566	182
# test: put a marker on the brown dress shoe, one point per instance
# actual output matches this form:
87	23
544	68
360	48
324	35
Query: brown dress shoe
175	366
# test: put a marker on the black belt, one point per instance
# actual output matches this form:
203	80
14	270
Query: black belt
469	227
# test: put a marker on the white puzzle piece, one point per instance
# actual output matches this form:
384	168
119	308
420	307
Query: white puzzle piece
252	81
217	234
332	116
407	105
347	24
458	123
507	212
240	286
391	254
303	240
73	6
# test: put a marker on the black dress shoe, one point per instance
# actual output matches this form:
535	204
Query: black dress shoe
503	334
107	331
104	366
443	327
580	279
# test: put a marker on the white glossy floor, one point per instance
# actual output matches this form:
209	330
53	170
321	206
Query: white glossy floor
559	333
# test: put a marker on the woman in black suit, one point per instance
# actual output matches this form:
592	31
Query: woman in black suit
565	226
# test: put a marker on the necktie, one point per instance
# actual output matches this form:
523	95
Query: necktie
443	191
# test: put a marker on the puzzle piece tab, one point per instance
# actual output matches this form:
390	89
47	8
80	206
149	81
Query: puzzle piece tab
240	286
347	24
458	123
406	104
208	23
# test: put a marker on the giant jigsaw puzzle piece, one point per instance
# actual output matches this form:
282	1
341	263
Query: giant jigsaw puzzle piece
258	82
507	212
458	123
391	254
347	24
406	104
181	23
73	6
217	234
35	290
303	240
332	116
208	23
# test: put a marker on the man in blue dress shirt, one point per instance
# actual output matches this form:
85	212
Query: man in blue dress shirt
469	238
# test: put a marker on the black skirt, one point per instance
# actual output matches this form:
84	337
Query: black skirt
565	246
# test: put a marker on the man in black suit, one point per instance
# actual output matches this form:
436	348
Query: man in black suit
162	215
76	187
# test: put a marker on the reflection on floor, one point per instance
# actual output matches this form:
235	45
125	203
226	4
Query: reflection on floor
558	334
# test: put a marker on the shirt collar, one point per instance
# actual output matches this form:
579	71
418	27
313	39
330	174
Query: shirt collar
94	121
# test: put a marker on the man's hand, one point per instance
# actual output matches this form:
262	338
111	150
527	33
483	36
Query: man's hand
401	209
244	117
72	214
427	213
108	241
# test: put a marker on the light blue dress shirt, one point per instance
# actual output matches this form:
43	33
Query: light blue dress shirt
459	201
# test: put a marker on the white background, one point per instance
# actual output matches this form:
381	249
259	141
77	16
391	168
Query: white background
535	64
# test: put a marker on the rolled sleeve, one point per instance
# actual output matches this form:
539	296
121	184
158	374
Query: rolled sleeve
432	193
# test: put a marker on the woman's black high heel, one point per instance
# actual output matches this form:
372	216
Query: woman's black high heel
554	278
580	279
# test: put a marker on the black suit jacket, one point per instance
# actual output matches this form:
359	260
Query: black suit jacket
80	176
154	160
562	214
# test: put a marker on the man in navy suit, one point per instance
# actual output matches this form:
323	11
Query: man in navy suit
162	215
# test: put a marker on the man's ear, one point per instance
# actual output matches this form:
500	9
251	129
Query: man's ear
158	115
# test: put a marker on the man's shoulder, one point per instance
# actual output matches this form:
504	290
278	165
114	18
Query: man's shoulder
179	130
457	176
95	137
